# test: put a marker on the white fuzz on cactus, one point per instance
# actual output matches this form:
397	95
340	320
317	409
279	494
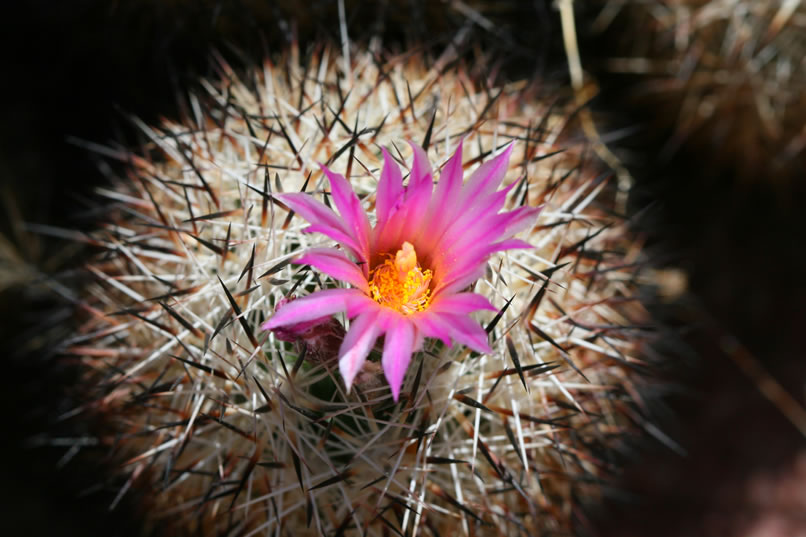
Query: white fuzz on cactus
226	430
725	74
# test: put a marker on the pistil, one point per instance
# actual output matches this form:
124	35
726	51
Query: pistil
400	283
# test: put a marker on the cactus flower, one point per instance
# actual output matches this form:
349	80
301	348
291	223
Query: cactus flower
410	272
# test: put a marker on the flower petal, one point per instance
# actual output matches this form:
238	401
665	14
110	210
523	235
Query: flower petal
397	351
357	344
468	332
488	176
445	197
320	304
429	328
420	168
520	219
390	190
335	264
461	328
310	209
450	178
489	230
466	223
461	303
468	266
406	222
457	280
339	236
418	197
323	220
350	209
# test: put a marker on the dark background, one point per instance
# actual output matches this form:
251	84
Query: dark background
77	71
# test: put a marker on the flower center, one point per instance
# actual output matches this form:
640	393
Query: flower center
399	283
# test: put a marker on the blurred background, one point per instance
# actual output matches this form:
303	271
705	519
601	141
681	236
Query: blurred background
733	226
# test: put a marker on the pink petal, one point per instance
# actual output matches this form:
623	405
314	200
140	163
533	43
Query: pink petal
442	209
520	219
320	304
467	222
339	236
390	190
450	179
335	264
310	209
457	280
420	168
408	222
461	303
323	220
357	344
508	244
468	266
418	197
461	328
421	184
489	230
293	332
468	332
349	207
419	338
430	328
488	176
397	351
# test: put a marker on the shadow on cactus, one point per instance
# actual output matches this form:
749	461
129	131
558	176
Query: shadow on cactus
227	429
725	76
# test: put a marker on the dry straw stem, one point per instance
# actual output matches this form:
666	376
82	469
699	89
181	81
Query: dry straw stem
225	431
727	75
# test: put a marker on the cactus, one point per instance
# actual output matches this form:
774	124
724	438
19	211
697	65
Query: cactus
226	429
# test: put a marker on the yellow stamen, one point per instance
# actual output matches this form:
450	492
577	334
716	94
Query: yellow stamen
401	284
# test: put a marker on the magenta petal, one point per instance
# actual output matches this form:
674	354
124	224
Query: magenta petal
468	228
310	209
349	207
488	176
323	220
457	280
339	236
470	266
319	304
427	326
294	331
470	333
408	222
509	244
450	179
335	264
390	189
520	219
397	351
442	209
418	198
420	168
467	332
517	220
461	328
474	254
489	230
357	344
461	303
476	217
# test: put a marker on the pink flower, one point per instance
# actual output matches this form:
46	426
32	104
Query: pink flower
411	271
